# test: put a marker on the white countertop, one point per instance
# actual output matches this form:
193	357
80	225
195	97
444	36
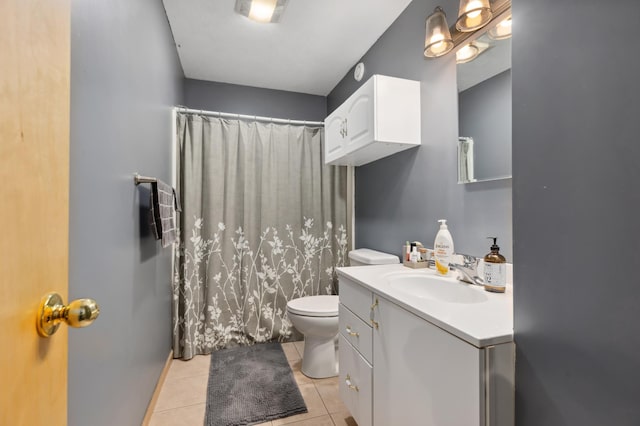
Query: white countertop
480	324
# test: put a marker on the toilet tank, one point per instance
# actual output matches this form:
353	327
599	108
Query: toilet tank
365	256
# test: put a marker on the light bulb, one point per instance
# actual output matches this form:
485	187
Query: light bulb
473	14
475	4
438	37
262	10
502	30
437	44
467	53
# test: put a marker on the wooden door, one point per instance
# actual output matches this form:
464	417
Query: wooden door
34	199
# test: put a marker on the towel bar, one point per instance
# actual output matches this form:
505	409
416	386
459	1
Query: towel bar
137	179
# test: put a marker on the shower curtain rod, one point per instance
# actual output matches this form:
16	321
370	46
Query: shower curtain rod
248	117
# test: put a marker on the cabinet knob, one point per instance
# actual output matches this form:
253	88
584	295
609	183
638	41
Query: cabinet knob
350	332
347	380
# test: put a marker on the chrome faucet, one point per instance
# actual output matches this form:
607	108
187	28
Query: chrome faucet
467	268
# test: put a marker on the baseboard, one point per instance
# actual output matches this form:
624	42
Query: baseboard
156	392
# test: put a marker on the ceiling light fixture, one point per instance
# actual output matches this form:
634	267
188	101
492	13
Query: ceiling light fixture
437	41
502	30
265	11
473	14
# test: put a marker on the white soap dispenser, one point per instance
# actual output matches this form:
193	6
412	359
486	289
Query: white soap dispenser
443	248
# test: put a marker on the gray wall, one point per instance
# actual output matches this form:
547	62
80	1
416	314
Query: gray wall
236	99
401	197
485	115
125	76
576	200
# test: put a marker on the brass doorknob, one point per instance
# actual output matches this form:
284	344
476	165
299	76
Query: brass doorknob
52	311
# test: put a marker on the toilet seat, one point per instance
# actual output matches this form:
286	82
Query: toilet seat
314	306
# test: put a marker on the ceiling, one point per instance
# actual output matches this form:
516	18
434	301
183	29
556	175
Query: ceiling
309	51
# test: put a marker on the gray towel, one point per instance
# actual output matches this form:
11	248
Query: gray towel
163	205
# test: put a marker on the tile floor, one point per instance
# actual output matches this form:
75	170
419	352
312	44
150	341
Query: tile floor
182	398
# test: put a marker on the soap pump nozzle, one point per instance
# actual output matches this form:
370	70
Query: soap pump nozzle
494	246
443	223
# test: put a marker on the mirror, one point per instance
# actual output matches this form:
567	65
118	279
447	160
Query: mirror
484	108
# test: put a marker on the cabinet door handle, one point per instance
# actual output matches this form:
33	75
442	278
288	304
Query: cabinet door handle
351	332
347	380
487	384
346	127
373	322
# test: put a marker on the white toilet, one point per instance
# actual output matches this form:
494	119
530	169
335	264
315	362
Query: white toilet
368	257
317	318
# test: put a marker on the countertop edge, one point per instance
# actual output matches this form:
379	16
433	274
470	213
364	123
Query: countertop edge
477	341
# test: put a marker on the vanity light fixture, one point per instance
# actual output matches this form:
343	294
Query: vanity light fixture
438	40
501	31
473	14
265	11
469	52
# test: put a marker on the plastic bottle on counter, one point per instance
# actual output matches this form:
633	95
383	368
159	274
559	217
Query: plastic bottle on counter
415	255
443	248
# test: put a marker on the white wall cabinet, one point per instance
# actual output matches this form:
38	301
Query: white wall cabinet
381	118
417	374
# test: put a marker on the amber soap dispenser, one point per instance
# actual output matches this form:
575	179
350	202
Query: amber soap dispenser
495	269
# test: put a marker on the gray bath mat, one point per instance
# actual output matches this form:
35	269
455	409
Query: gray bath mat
250	385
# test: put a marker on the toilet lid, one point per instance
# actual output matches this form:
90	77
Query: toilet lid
314	306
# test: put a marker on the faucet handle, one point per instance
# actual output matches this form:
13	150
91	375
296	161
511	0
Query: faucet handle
467	260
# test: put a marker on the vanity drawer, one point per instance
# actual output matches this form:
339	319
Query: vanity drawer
357	298
356	331
355	383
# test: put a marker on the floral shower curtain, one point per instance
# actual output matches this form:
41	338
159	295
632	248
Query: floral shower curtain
263	221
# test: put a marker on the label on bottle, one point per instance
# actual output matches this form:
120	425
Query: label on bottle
441	254
495	274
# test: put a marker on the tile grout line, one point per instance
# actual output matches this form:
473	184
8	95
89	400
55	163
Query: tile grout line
186	377
305	420
316	388
322	399
182	406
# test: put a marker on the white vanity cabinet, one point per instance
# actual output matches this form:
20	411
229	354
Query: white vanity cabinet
420	373
355	351
381	118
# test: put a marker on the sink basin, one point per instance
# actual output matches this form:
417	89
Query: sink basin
441	289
